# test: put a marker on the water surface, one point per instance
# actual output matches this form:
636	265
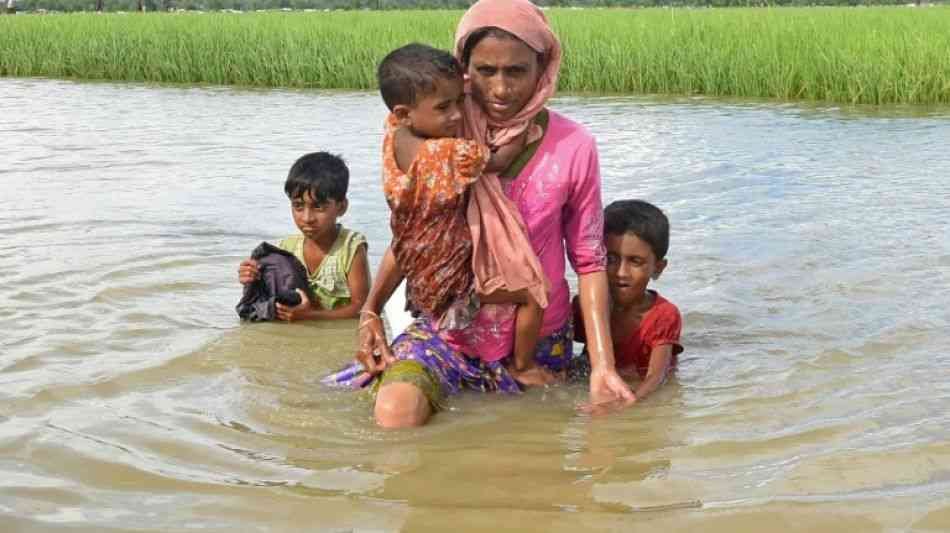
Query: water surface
810	257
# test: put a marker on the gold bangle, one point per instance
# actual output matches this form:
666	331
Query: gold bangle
362	325
366	322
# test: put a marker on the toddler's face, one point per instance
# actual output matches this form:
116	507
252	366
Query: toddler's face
439	113
316	221
631	264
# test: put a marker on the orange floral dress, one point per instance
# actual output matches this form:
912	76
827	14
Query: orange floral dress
432	242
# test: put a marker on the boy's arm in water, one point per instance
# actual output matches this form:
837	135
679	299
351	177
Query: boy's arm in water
372	335
660	359
357	280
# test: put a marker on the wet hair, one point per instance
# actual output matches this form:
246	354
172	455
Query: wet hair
411	71
322	174
642	219
491	31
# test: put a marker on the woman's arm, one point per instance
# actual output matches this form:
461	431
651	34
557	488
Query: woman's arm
372	335
605	384
584	239
388	277
660	359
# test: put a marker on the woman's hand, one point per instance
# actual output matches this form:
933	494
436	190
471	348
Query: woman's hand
248	271
607	388
374	352
608	392
297	312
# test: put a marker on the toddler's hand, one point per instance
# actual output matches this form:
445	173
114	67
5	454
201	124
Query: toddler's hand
248	271
535	132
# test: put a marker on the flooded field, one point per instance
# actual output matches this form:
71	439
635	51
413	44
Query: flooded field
810	256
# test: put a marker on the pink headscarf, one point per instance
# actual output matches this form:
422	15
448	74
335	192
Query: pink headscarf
506	260
527	22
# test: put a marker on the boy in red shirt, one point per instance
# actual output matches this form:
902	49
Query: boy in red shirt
644	326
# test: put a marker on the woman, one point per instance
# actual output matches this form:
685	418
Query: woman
511	58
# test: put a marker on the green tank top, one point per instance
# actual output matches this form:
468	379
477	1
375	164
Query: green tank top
328	283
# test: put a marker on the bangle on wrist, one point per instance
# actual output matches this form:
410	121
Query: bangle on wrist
372	316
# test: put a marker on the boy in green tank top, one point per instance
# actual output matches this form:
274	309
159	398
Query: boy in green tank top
335	257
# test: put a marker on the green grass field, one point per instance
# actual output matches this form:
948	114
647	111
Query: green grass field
855	55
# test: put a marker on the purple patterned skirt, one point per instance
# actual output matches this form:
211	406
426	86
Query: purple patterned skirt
425	360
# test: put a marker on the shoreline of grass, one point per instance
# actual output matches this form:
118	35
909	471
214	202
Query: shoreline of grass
859	56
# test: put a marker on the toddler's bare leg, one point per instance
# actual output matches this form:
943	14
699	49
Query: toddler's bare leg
528	319
527	330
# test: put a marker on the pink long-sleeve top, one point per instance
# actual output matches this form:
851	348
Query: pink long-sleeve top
558	195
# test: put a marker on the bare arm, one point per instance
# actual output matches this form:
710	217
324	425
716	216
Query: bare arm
605	384
406	146
388	277
371	332
660	359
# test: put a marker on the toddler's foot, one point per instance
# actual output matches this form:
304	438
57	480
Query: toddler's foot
533	376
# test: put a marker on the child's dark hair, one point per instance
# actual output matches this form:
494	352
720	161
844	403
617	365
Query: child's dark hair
411	71
642	219
322	174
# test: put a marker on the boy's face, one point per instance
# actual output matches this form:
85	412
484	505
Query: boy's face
437	114
631	264
316	221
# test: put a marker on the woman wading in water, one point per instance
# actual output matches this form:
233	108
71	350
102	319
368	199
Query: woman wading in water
511	60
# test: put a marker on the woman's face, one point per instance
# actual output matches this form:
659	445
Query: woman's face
504	74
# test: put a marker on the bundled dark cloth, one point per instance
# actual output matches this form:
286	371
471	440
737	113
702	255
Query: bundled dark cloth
280	275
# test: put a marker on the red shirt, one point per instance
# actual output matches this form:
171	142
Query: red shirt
660	325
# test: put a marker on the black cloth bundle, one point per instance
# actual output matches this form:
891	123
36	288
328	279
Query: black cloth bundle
280	275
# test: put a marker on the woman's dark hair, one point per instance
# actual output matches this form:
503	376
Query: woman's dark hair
322	174
642	219
490	31
411	71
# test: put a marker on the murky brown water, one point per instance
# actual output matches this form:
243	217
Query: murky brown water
810	255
